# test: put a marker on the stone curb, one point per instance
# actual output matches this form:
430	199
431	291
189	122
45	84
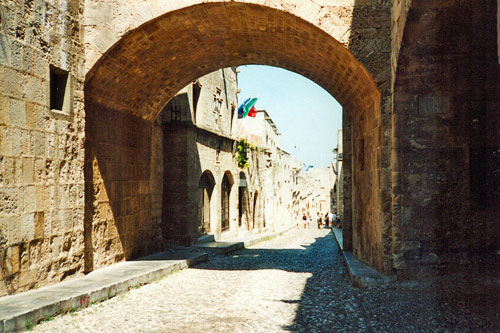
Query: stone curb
360	274
18	312
220	247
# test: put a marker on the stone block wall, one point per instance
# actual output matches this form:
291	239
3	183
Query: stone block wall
122	172
445	134
367	142
41	150
175	195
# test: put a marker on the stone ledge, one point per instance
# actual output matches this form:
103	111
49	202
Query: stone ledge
360	274
235	244
220	247
31	307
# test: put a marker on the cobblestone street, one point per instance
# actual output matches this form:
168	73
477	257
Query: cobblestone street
296	282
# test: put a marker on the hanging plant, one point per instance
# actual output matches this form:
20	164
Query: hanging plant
242	154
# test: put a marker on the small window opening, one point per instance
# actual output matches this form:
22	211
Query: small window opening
58	89
175	113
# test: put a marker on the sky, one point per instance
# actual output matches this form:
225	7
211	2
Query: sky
306	115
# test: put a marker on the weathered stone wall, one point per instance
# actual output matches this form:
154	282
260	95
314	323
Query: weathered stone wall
369	147
41	150
190	151
400	10
122	217
175	194
445	117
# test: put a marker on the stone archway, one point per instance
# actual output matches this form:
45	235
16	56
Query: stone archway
206	187
137	70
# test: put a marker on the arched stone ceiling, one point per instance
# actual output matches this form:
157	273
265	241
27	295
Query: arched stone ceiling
149	64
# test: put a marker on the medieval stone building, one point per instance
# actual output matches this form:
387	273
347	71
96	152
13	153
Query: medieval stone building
204	189
81	151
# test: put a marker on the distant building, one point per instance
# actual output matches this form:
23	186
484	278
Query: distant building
275	167
313	191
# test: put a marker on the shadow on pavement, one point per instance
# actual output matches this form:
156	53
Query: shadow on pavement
465	301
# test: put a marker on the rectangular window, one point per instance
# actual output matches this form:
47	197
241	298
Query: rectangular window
59	90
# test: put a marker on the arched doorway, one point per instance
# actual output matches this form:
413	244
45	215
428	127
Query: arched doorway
206	187
226	185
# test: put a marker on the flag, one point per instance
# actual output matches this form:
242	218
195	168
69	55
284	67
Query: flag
240	109
245	108
252	113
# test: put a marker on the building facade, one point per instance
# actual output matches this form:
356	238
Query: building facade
204	189
313	191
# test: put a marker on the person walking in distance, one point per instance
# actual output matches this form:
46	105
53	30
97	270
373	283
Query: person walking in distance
319	220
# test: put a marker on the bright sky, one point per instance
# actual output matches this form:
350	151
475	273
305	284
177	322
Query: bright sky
306	115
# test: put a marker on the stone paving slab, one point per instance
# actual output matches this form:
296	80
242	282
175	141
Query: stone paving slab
360	274
19	311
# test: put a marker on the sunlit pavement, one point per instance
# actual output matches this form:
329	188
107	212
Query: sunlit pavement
296	282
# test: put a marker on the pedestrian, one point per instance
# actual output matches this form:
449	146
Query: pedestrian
304	220
309	220
319	221
327	220
335	217
331	218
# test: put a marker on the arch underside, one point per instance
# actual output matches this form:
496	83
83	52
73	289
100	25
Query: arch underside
150	64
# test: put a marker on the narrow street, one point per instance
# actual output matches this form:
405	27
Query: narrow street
296	282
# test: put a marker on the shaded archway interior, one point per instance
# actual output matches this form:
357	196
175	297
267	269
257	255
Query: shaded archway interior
150	64
128	87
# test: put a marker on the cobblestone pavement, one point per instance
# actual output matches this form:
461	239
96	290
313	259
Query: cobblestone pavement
296	282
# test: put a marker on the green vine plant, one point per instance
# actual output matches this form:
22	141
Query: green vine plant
242	154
